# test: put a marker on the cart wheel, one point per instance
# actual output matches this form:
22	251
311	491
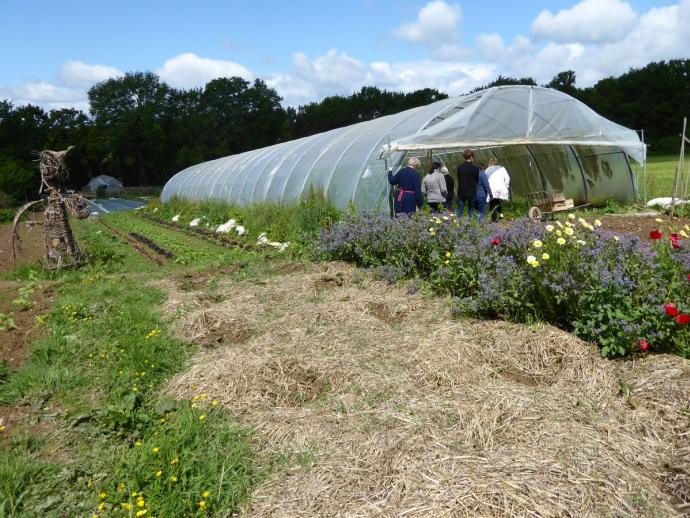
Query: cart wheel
534	213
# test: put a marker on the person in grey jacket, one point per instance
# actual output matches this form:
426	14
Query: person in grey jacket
434	187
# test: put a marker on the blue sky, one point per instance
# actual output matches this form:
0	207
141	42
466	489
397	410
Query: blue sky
309	49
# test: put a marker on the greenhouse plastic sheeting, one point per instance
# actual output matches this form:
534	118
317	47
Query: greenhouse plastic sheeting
511	115
346	162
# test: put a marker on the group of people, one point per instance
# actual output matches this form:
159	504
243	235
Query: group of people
476	187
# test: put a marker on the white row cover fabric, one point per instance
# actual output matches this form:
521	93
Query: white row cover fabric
514	115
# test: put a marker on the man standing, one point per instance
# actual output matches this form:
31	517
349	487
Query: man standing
409	198
450	188
468	176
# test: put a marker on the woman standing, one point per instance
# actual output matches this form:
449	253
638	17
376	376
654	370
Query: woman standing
409	197
499	181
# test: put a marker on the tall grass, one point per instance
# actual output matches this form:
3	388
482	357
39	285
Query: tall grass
292	221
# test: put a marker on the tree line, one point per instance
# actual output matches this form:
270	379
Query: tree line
143	131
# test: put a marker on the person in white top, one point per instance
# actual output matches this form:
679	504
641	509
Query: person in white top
499	181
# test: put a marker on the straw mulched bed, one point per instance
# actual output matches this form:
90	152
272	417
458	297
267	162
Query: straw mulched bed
387	406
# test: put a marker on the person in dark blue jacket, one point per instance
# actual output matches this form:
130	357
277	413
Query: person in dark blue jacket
408	199
483	193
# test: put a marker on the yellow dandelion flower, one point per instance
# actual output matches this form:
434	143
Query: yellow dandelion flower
94	516
569	231
549	228
121	487
545	256
134	493
159	473
135	389
206	494
102	495
571	216
175	461
101	506
126	505
203	397
537	244
449	254
195	398
202	505
214	402
142	512
202	417
597	223
560	241
2	428
138	444
156	449
162	420
534	264
140	502
173	479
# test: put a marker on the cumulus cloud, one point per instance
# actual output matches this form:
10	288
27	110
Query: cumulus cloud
436	25
590	21
189	70
338	73
77	74
45	94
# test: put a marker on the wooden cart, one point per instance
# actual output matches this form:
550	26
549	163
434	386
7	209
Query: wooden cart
544	205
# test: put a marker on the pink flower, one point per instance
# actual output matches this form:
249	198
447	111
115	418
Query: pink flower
683	319
675	238
655	234
670	309
644	345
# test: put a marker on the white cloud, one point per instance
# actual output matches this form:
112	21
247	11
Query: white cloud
436	25
337	73
190	71
590	21
45	94
81	75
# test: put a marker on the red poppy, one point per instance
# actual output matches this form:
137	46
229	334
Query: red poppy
655	234
495	241
683	319
675	238
644	345
689	276
670	309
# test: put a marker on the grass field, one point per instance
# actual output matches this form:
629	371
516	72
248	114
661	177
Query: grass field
661	170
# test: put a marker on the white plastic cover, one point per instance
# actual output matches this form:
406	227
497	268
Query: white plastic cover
514	115
346	162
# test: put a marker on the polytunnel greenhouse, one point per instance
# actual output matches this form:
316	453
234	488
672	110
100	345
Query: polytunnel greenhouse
547	140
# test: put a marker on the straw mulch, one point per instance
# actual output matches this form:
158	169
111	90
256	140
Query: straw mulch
387	406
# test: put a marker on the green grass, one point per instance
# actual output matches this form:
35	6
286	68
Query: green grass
661	170
100	438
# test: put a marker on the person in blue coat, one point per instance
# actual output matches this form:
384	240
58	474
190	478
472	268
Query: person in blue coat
483	193
408	199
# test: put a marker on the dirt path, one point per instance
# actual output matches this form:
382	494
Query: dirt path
31	241
386	406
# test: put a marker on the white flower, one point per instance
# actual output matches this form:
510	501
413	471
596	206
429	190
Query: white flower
549	228
240	230
176	218
195	222
531	259
227	226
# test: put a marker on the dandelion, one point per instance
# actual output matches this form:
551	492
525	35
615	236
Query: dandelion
126	505
202	504
549	228
569	231
173	479
102	495
158	473
214	403
156	449
446	262
448	254
135	389
121	487
202	417
206	494
560	241
140	502
101	506
537	244
571	216
534	264
203	397
597	223
2	428
195	398
545	256
142	512
137	444
175	461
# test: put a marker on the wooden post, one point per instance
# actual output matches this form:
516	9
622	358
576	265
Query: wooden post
680	161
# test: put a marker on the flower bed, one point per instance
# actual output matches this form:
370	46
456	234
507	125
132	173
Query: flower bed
623	293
